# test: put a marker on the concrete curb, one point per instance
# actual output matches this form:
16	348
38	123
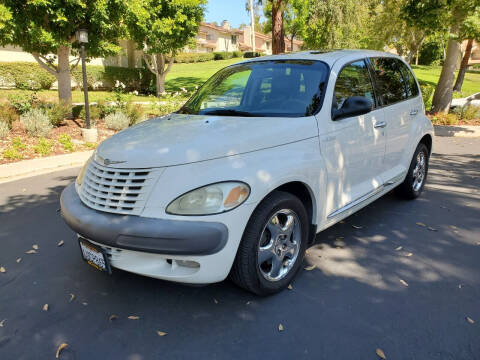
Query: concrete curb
457	130
27	168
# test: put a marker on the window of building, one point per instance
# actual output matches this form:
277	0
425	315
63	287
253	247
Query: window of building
234	39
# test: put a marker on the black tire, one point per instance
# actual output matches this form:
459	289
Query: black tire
246	271
407	190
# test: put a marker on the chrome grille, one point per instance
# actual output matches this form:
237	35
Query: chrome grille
120	191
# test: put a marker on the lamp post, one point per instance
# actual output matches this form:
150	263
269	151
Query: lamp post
82	38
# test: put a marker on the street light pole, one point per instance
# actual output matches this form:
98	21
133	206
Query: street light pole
85	87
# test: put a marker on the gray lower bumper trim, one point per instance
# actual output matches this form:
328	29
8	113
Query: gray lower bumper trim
171	237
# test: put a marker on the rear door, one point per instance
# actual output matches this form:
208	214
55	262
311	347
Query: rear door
353	147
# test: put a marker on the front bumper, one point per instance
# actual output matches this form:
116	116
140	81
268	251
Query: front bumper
141	234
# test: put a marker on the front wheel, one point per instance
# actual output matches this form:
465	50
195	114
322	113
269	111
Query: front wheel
414	182
273	245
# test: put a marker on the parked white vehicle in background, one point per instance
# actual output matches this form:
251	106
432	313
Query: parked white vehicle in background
265	155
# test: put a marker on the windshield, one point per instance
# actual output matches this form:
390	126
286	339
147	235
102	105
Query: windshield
286	88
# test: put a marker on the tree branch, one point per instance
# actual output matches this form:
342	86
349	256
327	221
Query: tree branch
51	69
76	64
169	66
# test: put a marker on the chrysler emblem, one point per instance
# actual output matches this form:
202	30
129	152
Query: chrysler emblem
107	162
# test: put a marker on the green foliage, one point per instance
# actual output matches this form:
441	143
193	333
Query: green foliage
36	122
135	113
8	115
58	113
222	55
431	53
76	111
193	57
4	129
442	118
23	102
117	121
237	54
95	114
427	93
12	154
43	147
66	142
17	144
27	76
251	54
468	112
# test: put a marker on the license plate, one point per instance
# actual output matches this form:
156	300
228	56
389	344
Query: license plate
94	255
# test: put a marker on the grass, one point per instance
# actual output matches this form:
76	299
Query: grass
189	76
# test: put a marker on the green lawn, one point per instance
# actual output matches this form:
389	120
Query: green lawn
190	75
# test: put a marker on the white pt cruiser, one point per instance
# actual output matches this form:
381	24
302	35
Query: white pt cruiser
266	154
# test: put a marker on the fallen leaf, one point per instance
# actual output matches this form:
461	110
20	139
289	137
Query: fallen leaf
381	354
133	317
31	252
280	327
60	243
84	303
342	222
161	333
215	301
420	224
2	269
409	254
357	227
470	320
459	286
403	282
309	268
399	248
72	296
60	348
432	229
453	226
290	287
307	252
248	303
45	307
2	322
19	259
35	246
112	317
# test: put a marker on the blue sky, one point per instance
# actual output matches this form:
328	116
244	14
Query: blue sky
231	10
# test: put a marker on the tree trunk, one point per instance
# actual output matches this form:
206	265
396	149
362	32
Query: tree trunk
416	58
160	84
463	66
63	75
278	44
442	98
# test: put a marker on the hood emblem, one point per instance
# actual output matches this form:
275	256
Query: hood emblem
107	162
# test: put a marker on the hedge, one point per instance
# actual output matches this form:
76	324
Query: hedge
223	55
25	75
251	54
194	57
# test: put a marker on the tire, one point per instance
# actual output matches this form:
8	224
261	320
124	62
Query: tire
272	216
412	187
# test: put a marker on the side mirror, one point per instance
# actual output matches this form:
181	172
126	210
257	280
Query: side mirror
353	106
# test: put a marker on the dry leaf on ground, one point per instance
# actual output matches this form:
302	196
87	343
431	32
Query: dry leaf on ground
31	252
2	269
72	296
409	254
60	243
161	333
357	227
35	246
432	229
420	224
381	354
290	287
399	248
309	268
60	348
280	327
470	320
133	317
215	301
2	323
112	317
18	260
45	307
84	303
403	282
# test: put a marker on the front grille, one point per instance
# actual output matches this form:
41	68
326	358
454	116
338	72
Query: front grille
120	191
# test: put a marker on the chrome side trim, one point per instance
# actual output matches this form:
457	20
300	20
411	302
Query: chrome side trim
395	179
356	202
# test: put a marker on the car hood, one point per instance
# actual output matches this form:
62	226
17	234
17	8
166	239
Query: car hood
181	139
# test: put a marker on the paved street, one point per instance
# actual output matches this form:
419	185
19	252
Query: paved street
346	308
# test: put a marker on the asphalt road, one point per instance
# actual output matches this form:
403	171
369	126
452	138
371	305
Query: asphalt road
346	308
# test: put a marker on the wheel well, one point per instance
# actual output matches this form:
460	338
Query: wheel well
301	191
427	140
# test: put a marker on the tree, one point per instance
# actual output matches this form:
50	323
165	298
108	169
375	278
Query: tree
434	15
161	28
471	31
45	27
278	35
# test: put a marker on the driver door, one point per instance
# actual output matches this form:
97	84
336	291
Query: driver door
353	147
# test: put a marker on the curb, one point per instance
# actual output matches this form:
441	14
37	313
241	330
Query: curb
457	130
27	168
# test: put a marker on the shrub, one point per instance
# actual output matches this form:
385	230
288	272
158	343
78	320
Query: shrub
135	113
58	113
193	57
23	102
43	147
66	141
442	118
36	122
427	93
470	112
222	55
12	154
8	115
18	144
251	54
237	53
25	75
117	121
4	129
94	115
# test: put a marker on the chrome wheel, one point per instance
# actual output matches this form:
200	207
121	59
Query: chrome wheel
279	245
419	171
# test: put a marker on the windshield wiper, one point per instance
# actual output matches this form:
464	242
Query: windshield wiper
229	112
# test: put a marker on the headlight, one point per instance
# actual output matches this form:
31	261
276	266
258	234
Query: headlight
211	199
82	172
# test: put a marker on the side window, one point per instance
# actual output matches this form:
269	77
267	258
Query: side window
412	87
389	80
353	80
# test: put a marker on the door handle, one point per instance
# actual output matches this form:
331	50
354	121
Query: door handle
380	124
414	112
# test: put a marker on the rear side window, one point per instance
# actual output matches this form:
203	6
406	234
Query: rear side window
412	87
389	80
353	80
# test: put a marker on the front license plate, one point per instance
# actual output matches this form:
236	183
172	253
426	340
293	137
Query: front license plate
94	255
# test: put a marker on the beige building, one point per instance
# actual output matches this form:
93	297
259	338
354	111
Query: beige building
475	56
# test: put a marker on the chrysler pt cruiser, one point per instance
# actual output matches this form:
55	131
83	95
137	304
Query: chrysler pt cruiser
265	155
